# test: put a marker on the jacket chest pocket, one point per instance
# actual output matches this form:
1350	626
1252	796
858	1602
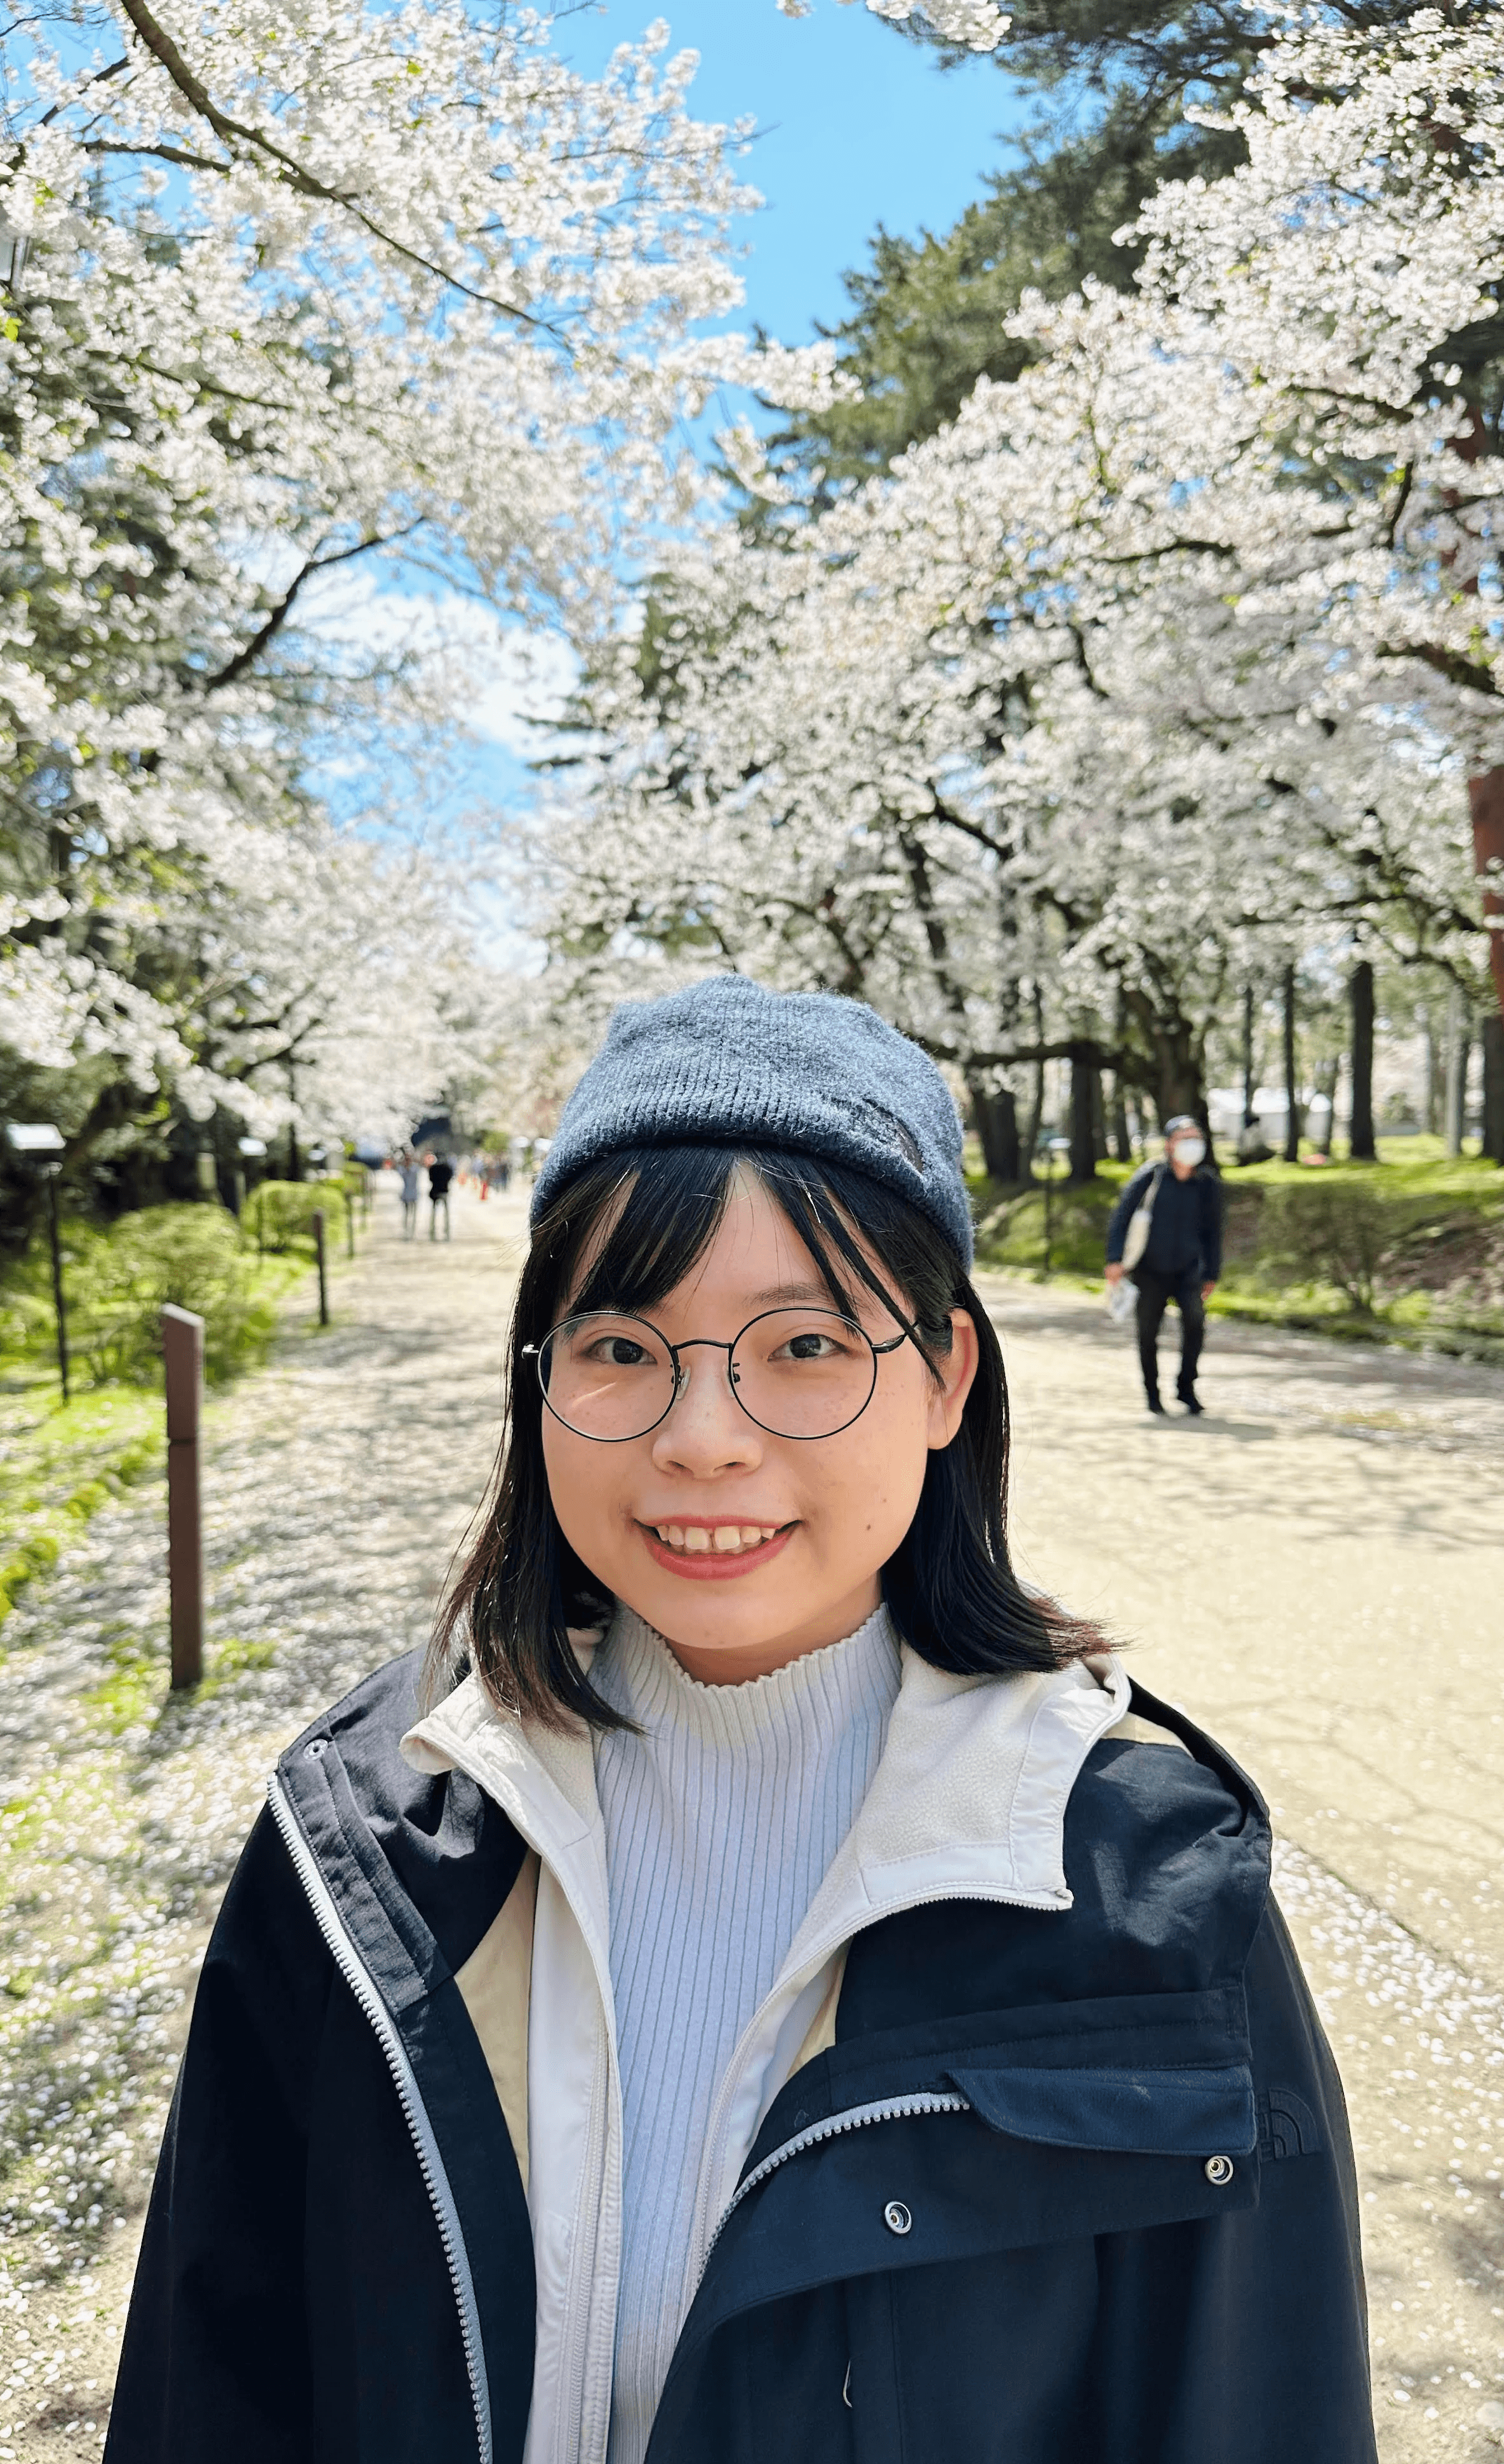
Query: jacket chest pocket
976	2339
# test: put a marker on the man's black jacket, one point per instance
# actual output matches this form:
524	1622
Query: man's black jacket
1184	1228
1124	2232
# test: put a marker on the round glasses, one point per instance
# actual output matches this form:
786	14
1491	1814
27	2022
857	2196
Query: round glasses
797	1373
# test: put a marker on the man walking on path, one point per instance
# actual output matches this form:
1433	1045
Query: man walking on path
441	1172
1173	1255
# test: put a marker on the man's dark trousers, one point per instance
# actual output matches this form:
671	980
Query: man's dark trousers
1155	1295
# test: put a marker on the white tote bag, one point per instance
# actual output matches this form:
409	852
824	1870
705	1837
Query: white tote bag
1140	1221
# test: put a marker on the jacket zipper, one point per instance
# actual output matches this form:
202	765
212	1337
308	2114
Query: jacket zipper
431	2164
856	2117
812	1965
582	2312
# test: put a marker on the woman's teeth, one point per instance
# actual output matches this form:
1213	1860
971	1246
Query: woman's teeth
724	1538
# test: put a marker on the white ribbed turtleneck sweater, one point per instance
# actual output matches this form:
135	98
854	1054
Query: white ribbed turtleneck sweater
721	1819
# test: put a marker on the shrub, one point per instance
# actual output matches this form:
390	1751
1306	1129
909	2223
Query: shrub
1345	1233
279	1215
192	1256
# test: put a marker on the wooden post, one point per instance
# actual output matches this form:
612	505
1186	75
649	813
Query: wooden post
182	1351
323	1274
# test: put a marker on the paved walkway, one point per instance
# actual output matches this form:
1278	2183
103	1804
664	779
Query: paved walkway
1315	1570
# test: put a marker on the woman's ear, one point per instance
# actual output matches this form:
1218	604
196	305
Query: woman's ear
956	1369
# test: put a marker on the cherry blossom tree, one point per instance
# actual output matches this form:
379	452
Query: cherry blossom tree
972	24
1168	659
290	288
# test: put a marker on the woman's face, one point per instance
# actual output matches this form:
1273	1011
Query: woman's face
838	1508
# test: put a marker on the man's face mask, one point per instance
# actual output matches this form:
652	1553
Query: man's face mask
1190	1150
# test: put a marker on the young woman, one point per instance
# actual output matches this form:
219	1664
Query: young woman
762	1995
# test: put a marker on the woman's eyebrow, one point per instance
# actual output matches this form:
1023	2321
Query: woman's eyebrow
779	1293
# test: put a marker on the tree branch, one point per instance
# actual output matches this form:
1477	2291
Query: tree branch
277	617
235	134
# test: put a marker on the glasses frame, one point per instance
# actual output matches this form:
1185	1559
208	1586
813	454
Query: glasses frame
908	1331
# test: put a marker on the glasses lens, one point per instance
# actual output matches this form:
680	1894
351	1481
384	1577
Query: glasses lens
804	1373
606	1376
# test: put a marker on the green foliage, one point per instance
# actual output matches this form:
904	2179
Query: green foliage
1409	1249
927	317
279	1215
1010	1230
1339	1232
192	1256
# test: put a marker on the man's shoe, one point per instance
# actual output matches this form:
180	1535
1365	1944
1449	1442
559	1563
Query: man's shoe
1193	1407
1154	1404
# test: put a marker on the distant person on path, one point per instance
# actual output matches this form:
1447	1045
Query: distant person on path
769	1983
1180	1256
441	1172
411	1179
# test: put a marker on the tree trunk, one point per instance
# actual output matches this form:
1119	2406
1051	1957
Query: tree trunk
1177	1062
1494	1087
1458	1041
1085	1097
1123	1142
1249	1116
1361	1145
1036	1100
995	1113
1486	803
294	1171
1430	1109
1292	1082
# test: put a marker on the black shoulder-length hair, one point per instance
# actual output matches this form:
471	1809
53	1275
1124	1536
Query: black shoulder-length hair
640	1220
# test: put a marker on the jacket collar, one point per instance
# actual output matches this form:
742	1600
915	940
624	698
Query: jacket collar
967	1802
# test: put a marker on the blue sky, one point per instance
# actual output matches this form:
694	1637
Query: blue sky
856	127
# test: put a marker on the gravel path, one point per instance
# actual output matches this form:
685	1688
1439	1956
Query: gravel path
338	1484
1314	1570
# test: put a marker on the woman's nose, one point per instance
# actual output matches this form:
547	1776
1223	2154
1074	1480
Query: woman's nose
706	1430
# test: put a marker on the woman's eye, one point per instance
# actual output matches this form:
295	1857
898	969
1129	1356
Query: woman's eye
617	1352
809	1347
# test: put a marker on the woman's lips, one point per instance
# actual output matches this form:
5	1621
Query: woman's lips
713	1565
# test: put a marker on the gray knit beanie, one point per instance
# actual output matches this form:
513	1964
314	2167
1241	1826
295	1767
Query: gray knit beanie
726	1061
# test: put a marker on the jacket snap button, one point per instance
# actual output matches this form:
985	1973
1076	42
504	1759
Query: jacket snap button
897	2217
316	1750
1218	2170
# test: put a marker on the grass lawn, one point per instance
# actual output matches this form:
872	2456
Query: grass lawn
1409	1250
59	1462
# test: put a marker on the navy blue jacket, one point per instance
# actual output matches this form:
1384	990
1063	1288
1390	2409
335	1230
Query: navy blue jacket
1116	2136
1196	1205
